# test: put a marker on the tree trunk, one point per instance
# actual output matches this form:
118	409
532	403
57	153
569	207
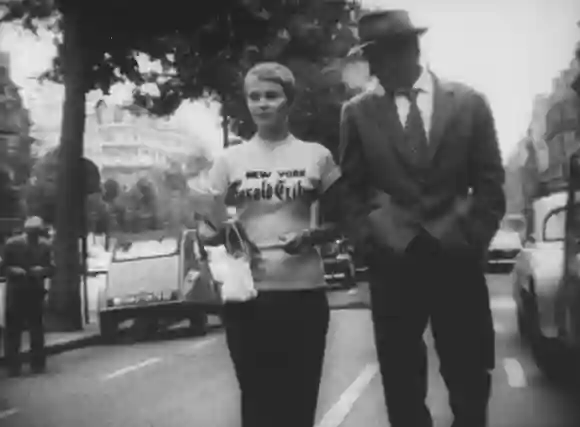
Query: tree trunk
225	129
67	284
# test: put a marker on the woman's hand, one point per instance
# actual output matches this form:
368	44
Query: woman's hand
295	243
232	192
209	235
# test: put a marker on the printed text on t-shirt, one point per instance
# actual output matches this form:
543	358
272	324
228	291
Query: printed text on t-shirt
288	185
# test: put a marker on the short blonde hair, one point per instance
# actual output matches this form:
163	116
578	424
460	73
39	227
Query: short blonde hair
275	73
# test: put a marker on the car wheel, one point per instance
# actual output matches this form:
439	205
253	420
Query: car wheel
109	327
198	323
347	280
146	327
550	355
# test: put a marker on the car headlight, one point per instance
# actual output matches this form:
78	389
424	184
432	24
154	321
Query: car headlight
111	302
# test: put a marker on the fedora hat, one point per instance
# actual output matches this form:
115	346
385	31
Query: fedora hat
383	25
34	223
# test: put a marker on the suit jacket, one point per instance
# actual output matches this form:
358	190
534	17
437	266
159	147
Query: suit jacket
19	253
455	194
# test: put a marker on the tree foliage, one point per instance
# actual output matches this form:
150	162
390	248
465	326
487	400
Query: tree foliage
156	200
200	51
209	52
10	206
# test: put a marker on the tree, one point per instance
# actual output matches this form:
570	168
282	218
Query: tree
10	206
312	41
96	55
111	190
97	49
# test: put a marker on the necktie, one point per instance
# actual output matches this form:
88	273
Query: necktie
415	132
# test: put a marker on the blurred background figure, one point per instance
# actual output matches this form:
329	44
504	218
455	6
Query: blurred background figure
26	263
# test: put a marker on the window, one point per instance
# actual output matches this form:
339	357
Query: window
555	224
145	249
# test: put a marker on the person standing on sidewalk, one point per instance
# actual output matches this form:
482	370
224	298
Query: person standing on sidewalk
422	156
26	263
277	340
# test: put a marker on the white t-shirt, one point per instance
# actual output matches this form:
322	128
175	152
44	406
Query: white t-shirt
280	181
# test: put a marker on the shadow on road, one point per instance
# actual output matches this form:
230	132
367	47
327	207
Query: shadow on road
136	332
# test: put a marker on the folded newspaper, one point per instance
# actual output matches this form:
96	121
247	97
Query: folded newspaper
234	275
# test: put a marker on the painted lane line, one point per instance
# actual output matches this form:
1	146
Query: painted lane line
8	413
499	328
132	368
201	344
515	373
502	303
337	414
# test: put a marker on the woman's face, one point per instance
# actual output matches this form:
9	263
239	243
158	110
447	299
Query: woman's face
267	103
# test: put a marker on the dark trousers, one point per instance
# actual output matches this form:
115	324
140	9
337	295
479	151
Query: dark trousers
22	316
277	344
450	291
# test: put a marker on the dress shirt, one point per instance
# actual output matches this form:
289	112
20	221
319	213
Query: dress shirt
425	85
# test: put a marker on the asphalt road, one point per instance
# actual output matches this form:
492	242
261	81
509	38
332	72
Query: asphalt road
183	381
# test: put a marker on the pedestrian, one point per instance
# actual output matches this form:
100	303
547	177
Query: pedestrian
26	263
277	340
421	155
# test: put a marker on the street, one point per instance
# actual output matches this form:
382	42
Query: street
183	381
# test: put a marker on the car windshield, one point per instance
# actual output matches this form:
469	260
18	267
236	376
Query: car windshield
144	249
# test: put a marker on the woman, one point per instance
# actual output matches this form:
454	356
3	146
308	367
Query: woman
277	340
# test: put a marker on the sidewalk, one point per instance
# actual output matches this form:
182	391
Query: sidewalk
58	342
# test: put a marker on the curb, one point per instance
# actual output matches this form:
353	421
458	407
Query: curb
61	347
350	306
82	342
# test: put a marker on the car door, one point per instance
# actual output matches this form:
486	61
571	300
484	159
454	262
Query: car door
522	271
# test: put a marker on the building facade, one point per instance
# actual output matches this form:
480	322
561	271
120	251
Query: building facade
124	143
15	141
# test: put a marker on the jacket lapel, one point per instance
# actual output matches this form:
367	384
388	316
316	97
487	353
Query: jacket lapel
443	109
384	116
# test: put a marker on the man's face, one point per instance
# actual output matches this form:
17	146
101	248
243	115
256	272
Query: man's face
393	61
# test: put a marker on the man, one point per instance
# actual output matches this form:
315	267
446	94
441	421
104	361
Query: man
26	262
421	158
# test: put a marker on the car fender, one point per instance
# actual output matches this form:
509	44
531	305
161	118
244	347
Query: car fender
546	269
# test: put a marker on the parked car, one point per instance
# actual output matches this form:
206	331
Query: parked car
503	250
338	264
146	282
546	283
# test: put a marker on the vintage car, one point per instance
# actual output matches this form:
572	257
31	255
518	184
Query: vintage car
339	266
147	281
546	283
503	250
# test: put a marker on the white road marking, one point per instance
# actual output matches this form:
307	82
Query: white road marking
337	414
502	303
499	328
8	413
515	373
198	345
132	368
